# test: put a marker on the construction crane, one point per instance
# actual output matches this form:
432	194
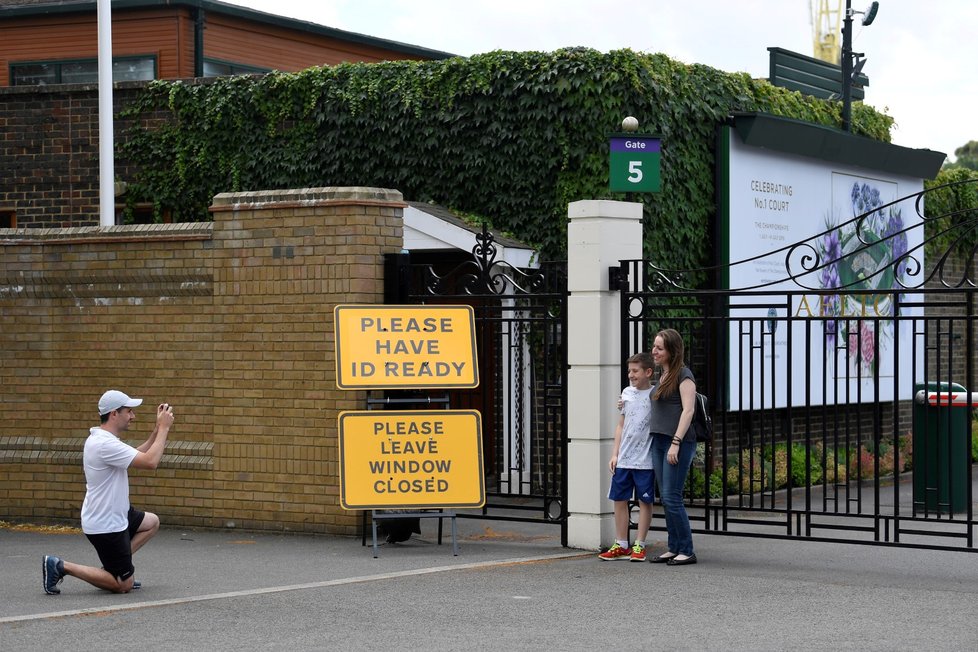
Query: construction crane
826	29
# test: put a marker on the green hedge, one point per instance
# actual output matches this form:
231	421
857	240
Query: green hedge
512	136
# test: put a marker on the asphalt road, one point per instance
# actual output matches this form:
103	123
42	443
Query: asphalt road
511	588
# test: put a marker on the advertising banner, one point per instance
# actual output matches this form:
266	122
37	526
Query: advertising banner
775	200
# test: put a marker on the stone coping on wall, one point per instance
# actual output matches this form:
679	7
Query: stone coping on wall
68	450
229	201
98	234
105	287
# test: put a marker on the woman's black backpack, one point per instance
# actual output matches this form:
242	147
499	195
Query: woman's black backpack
702	424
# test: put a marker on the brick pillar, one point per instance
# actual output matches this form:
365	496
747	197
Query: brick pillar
284	259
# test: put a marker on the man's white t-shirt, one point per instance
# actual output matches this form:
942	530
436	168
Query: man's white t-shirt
106	461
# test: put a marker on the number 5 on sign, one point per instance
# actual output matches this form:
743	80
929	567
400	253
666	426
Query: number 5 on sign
634	164
635	171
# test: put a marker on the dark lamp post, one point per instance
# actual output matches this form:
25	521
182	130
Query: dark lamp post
847	55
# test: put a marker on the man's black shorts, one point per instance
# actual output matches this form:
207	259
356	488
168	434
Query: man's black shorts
115	548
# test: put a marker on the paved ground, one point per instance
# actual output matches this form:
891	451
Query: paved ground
512	588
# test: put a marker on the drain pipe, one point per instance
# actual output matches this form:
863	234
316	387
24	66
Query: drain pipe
199	43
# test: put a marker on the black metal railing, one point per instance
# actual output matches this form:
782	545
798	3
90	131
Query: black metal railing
815	379
520	322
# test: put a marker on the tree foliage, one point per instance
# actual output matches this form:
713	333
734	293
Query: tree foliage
512	136
951	209
966	156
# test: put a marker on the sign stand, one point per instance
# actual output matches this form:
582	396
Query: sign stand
424	462
440	514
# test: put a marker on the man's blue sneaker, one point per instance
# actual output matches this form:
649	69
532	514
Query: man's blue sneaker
136	584
53	570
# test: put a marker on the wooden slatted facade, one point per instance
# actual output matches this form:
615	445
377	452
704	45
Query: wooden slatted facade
166	35
232	39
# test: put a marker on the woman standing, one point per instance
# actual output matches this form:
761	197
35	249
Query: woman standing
672	450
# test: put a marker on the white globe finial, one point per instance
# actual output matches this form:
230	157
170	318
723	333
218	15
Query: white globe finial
629	124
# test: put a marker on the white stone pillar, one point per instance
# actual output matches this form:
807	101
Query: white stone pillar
599	235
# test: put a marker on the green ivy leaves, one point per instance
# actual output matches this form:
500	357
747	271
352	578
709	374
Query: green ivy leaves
512	136
951	208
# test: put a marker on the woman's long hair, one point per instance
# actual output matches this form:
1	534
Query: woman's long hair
672	342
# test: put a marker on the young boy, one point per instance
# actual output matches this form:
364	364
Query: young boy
631	460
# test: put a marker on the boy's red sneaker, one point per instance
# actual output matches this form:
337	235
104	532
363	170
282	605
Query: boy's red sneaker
614	552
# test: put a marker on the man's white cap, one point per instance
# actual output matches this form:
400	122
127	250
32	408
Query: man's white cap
114	399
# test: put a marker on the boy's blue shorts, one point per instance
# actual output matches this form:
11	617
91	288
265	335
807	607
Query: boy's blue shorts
628	482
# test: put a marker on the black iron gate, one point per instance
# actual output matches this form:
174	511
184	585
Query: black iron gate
841	388
520	322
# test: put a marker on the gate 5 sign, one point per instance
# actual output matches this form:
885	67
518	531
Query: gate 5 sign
414	459
400	347
634	164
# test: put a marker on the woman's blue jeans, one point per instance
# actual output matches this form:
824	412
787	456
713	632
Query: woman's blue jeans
671	478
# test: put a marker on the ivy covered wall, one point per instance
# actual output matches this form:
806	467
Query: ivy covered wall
511	136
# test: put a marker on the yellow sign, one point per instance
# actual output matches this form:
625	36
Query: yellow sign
405	347
414	459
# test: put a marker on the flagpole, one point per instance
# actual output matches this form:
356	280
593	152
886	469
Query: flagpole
106	147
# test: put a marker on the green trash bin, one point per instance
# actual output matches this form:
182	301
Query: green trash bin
941	436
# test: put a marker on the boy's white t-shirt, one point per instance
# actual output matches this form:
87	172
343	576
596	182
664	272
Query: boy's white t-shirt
635	449
106	460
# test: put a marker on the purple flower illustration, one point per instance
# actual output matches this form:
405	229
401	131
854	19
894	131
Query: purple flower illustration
830	252
831	306
898	241
863	255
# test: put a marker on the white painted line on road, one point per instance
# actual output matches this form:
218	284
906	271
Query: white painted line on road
292	587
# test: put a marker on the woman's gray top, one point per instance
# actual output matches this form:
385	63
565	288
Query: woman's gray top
667	410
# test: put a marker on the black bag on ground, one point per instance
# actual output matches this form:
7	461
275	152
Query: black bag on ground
399	529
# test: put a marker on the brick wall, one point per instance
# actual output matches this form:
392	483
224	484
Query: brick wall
49	142
229	321
50	154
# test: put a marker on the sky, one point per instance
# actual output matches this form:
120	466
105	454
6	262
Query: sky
920	55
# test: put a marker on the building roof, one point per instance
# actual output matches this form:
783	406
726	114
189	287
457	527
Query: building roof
12	8
430	227
834	145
